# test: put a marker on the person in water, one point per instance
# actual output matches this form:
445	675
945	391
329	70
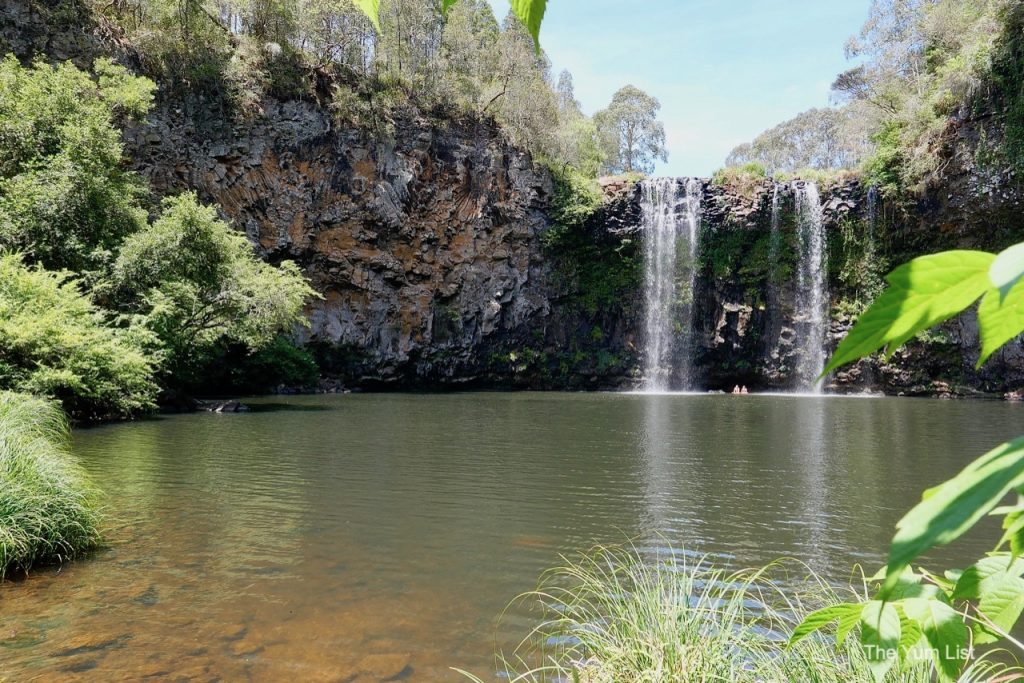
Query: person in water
744	390
736	389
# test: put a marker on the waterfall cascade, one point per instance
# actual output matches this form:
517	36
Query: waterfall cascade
812	297
872	213
773	326
671	225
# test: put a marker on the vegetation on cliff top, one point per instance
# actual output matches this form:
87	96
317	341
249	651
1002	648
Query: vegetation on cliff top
926	66
452	59
48	507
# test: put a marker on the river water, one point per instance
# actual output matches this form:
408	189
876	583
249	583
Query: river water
375	537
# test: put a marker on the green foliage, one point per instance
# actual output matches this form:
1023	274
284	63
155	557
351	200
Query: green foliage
745	177
577	198
65	199
858	264
530	12
1008	81
924	62
427	57
244	371
48	507
921	294
603	276
631	132
613	615
198	284
988	596
55	342
822	139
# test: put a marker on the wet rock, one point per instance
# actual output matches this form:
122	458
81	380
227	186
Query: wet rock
383	667
222	407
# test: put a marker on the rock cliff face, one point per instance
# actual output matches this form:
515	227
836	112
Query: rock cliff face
430	253
425	246
747	327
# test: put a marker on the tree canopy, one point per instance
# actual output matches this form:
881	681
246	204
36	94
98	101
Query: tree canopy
633	137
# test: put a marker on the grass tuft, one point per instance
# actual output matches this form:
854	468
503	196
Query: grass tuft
48	507
616	615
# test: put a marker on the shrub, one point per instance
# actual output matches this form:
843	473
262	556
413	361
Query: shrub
65	199
742	178
48	508
54	342
243	371
198	285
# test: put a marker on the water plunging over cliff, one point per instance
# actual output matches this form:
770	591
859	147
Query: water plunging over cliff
872	213
812	297
671	210
773	325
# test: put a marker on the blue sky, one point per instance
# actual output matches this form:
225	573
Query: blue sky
724	70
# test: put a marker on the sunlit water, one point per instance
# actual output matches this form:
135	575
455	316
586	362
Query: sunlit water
368	537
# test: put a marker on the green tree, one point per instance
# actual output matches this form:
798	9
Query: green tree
630	129
924	61
519	94
54	342
822	139
409	43
199	285
65	199
467	52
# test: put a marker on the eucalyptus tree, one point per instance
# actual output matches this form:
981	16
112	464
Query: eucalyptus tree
630	130
467	58
823	139
520	94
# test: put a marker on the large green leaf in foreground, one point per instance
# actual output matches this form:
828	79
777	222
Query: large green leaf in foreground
530	12
1000	318
994	583
1008	268
880	636
951	508
370	8
945	631
922	293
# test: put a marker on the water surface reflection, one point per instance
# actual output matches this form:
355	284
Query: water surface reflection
382	535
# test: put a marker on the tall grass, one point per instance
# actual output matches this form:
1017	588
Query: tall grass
615	616
48	508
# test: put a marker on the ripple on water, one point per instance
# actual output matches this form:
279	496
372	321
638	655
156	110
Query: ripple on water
382	535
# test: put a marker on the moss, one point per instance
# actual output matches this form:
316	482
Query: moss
1008	77
603	274
856	265
748	258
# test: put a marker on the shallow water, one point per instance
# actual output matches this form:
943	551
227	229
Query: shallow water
369	537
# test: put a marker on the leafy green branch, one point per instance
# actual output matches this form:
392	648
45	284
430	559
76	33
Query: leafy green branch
916	614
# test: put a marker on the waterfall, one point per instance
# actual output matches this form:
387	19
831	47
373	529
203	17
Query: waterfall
671	223
812	298
773	325
872	213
